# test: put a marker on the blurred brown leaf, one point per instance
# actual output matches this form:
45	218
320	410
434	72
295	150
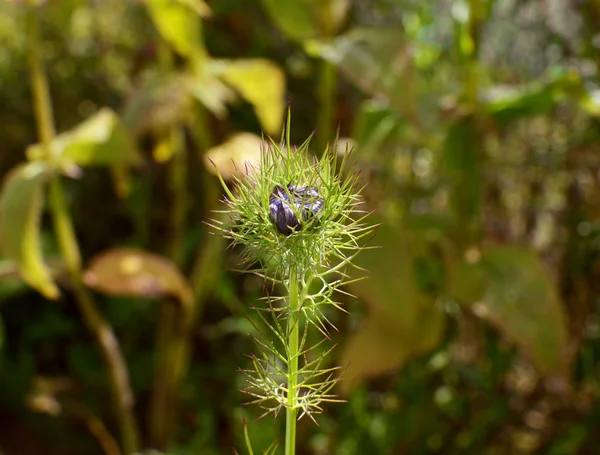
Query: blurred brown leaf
132	272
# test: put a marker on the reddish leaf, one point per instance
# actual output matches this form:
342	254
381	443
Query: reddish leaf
131	272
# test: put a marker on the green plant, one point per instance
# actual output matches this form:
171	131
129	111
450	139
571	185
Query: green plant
300	223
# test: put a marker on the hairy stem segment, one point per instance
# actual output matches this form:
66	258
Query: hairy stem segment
96	324
292	370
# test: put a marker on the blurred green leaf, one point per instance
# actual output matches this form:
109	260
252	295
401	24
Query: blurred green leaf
209	90
159	101
200	7
508	103
261	83
376	60
131	272
21	202
403	322
590	102
100	140
294	18
333	14
570	442
510	287
178	23
302	20
376	124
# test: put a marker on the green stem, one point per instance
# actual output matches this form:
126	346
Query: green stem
95	426
39	86
64	227
472	31
201	131
171	332
101	330
178	182
171	338
327	90
207	263
293	355
176	324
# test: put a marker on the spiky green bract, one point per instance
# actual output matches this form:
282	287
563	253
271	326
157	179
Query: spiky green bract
310	265
322	240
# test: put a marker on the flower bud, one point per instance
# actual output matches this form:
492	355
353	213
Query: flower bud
306	202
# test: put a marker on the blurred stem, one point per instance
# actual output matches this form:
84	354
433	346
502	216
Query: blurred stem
96	427
174	349
471	36
105	338
176	323
39	86
64	227
202	132
171	340
327	91
292	371
171	336
207	263
121	180
178	181
208	260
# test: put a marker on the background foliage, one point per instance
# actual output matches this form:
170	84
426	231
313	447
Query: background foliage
476	125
